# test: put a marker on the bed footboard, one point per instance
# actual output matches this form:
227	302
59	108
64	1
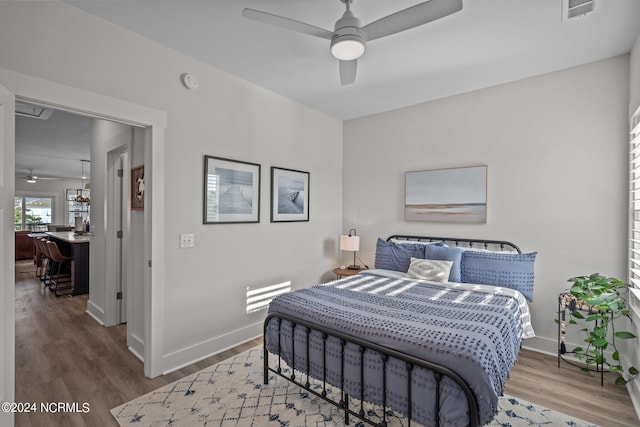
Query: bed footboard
364	347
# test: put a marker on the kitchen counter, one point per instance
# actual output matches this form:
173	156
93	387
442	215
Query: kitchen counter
76	245
70	236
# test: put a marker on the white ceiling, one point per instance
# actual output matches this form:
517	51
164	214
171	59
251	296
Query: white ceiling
53	148
488	43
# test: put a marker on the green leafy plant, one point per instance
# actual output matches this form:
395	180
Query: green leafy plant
598	303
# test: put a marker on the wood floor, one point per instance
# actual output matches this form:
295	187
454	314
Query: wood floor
63	355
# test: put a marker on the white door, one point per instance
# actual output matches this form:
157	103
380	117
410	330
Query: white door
117	165
7	248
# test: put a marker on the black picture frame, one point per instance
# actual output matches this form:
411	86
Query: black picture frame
290	190
231	191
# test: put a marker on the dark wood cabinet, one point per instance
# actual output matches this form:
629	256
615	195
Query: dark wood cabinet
24	245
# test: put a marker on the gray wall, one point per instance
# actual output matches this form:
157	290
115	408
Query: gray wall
555	146
204	307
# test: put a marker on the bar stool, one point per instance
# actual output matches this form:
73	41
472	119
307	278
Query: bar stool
58	280
43	261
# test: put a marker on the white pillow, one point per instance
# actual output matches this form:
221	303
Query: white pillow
429	269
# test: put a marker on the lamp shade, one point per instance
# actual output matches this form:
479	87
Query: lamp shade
350	243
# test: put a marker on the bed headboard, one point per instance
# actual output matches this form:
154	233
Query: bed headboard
471	243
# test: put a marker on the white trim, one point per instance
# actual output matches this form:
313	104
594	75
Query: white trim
136	354
7	250
136	345
59	96
95	312
193	353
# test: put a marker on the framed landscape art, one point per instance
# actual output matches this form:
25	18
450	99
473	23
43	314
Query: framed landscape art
289	195
447	195
231	191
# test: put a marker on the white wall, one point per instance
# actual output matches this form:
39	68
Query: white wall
226	117
555	146
106	136
135	289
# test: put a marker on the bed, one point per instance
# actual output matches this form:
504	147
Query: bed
437	352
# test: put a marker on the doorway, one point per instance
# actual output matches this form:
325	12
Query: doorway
153	122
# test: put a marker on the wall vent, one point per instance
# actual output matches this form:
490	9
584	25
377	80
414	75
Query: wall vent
576	8
33	111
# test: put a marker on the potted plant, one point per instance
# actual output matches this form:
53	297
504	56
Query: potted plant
599	298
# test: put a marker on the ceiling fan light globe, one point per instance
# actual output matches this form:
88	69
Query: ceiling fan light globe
347	48
31	180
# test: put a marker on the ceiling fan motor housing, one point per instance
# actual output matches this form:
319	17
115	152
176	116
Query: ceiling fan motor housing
347	42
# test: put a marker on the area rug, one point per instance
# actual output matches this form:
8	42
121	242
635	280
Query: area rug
231	393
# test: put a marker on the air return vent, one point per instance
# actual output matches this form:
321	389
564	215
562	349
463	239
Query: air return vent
576	8
34	111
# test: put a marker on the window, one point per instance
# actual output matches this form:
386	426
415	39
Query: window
77	205
32	213
634	212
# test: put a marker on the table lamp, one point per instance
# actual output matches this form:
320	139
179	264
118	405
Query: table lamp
351	243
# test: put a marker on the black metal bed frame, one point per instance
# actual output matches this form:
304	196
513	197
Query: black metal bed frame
364	346
483	244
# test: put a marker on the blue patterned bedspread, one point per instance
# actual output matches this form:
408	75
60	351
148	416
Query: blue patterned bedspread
475	334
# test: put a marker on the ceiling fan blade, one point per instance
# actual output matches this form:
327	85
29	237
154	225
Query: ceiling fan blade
289	24
348	71
411	17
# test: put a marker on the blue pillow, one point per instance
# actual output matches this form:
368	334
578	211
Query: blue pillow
447	253
397	256
513	271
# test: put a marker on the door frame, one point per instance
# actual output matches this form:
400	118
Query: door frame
79	101
7	272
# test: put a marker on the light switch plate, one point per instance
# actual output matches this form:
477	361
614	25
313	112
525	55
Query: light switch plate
186	241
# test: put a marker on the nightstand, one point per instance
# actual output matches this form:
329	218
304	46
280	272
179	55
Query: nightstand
343	272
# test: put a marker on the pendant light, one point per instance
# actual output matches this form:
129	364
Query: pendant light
80	196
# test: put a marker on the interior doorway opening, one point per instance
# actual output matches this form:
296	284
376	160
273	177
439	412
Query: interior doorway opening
16	86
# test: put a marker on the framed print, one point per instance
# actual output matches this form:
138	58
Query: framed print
231	191
137	188
289	195
447	195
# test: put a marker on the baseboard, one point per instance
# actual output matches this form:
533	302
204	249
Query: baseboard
634	394
632	386
96	312
136	354
135	346
181	358
541	345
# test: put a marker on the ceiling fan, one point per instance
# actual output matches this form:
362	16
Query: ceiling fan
32	179
348	40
